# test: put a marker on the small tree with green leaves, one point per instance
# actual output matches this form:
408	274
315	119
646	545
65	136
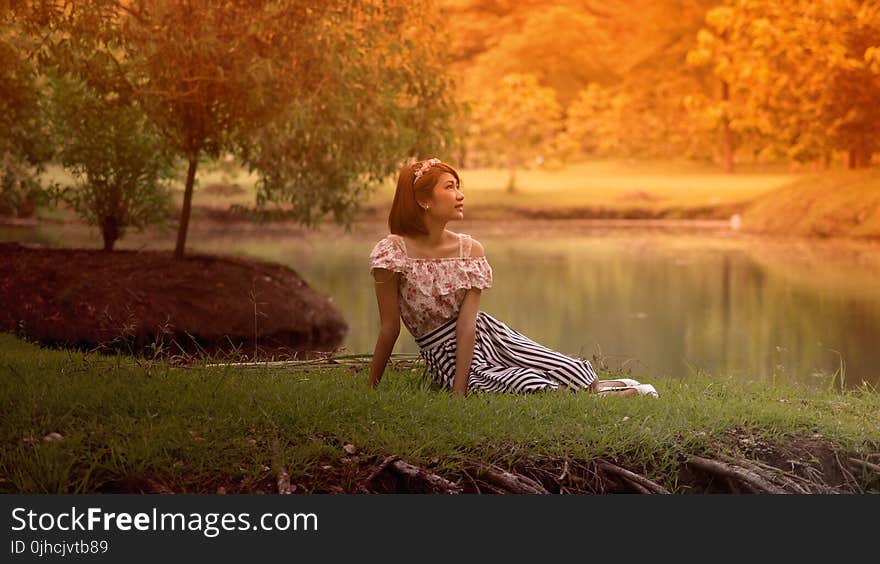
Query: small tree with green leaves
24	146
799	76
118	160
515	123
320	98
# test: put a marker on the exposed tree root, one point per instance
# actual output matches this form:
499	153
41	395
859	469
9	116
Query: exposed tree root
789	482
437	482
800	465
848	476
510	482
863	465
745	476
637	481
363	486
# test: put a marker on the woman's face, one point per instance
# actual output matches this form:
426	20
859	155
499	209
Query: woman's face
447	199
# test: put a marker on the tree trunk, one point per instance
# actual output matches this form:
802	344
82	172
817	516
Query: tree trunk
511	181
858	157
187	206
109	231
462	156
726	134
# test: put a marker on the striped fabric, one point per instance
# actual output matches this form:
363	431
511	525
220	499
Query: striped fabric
504	360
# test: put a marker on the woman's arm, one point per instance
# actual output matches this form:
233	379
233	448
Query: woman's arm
465	334
386	283
466	330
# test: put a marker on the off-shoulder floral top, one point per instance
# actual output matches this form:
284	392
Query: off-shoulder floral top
431	290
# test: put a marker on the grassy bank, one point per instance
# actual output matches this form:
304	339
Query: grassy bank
610	188
122	424
832	204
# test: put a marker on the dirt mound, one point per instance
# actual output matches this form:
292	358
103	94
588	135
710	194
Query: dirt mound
832	204
130	300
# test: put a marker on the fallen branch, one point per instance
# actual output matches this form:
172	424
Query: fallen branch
354	359
513	483
745	476
639	482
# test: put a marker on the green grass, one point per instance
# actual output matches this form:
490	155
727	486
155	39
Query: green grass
198	429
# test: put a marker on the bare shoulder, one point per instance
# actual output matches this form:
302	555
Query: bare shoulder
477	249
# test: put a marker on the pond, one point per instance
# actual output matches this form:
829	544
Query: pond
655	302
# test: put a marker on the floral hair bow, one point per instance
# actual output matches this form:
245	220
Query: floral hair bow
424	166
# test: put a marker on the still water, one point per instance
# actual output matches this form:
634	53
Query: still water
654	303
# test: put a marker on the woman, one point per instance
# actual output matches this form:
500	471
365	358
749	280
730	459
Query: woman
432	278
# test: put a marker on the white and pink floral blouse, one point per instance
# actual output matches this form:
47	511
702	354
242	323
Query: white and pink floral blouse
431	289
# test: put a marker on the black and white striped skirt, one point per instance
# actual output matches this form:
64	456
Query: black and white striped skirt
504	360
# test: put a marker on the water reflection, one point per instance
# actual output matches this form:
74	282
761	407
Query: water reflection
655	306
659	305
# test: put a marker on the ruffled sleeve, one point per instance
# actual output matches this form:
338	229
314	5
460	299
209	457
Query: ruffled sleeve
387	254
478	272
439	278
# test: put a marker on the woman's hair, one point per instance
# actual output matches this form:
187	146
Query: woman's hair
406	214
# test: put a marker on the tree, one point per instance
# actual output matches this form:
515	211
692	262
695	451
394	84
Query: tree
798	75
632	51
377	92
267	79
24	144
564	47
593	121
119	162
516	123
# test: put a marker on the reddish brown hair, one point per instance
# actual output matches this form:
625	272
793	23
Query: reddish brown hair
406	214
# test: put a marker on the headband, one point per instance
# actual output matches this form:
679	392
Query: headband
424	166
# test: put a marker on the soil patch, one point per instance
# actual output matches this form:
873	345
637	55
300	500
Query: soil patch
136	301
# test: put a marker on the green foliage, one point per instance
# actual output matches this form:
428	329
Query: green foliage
318	97
629	53
119	162
516	123
24	146
593	121
375	94
565	47
801	74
